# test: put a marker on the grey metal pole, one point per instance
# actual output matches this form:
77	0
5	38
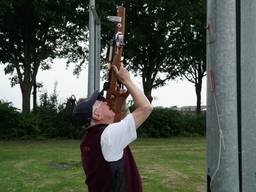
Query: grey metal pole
222	143
94	49
91	49
97	56
248	93
97	49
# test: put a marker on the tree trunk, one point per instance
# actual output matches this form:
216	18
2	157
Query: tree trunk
148	95
34	96
147	87
198	96
26	92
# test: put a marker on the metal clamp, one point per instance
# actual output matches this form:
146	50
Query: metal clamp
119	39
115	19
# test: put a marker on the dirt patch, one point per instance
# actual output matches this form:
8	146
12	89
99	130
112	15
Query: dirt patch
65	165
201	188
171	177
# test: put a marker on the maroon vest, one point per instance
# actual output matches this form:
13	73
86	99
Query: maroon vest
102	176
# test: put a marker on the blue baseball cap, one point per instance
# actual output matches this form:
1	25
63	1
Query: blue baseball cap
82	113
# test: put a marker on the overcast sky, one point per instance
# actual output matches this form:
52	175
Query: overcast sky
175	93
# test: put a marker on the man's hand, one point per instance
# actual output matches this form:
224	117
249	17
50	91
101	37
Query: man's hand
143	108
122	74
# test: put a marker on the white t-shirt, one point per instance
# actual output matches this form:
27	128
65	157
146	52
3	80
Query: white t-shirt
116	137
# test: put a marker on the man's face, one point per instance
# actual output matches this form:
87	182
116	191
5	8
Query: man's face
104	110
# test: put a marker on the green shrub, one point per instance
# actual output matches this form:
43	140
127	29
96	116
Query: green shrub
51	120
195	124
165	122
9	119
29	126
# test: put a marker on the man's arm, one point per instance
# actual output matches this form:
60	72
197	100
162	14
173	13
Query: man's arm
143	107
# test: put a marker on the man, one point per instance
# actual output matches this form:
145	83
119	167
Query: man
107	160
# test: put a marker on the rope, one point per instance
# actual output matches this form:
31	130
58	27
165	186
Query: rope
221	136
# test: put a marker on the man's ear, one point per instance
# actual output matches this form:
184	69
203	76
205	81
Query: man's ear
96	116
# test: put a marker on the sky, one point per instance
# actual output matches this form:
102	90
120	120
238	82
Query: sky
175	93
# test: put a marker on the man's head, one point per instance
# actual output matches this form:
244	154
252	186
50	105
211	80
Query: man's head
93	110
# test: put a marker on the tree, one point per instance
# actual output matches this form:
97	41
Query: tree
34	32
152	40
194	50
151	35
163	39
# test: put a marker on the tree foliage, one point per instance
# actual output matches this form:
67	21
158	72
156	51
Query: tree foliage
33	32
194	50
163	38
156	38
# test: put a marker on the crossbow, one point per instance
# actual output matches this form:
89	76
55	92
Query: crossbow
115	97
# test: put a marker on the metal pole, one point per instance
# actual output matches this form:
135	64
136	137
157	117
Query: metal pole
97	49
248	93
94	49
222	142
91	49
97	57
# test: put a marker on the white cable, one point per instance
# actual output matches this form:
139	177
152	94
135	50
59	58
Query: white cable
221	141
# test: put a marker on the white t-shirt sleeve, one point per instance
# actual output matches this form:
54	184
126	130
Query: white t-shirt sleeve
116	137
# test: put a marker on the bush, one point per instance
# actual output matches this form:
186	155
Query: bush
29	126
165	122
14	124
9	119
195	124
50	120
54	121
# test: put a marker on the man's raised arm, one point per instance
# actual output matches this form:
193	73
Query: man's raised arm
143	107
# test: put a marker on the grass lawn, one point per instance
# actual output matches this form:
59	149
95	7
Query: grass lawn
166	165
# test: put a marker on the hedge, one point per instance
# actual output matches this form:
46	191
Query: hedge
50	121
165	122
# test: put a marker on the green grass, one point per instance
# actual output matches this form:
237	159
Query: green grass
166	165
